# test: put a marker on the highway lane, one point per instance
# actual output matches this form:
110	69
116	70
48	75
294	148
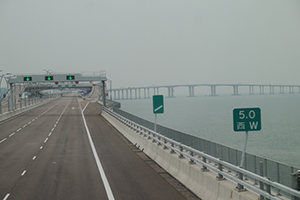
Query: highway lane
129	176
46	154
20	139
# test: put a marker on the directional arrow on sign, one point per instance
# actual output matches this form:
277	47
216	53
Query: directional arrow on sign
158	108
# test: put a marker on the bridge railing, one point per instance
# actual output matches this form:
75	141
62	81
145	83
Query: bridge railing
221	159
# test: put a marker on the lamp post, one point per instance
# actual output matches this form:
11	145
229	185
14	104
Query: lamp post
0	86
110	85
48	71
6	77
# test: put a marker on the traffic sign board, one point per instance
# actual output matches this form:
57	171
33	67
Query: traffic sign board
246	119
158	104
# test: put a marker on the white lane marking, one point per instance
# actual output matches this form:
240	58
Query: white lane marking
29	123
52	129
24	125
6	197
3	140
19	129
12	134
54	125
41	147
46	140
85	107
109	193
34	157
49	134
23	173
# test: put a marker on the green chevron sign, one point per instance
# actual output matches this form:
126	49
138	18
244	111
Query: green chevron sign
158	104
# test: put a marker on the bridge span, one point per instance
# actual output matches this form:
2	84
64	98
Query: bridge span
71	148
138	92
66	150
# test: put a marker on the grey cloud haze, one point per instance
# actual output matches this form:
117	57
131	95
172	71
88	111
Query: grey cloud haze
141	43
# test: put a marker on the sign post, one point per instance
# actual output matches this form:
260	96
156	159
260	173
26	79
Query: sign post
158	107
246	119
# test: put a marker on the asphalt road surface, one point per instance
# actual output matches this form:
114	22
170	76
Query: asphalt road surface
56	152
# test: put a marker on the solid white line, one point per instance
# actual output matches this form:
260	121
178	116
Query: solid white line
85	107
6	197
3	140
23	173
12	134
100	168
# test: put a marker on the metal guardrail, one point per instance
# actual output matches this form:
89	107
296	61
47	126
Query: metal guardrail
242	177
274	170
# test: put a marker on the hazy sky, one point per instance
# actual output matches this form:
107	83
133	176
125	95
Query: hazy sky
141	43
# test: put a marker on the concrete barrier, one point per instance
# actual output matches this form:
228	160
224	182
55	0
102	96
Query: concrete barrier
203	183
7	115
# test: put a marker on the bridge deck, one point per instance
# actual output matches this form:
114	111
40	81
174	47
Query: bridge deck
46	154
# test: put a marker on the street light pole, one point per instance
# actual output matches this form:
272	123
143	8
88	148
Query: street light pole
110	85
5	76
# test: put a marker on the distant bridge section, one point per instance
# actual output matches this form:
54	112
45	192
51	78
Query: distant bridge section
127	93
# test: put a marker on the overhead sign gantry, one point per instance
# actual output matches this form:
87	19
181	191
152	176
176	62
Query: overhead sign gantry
54	78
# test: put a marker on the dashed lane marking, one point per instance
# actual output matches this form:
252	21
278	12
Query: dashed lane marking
12	134
3	140
23	173
6	197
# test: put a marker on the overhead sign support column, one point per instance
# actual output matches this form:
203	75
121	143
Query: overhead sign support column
104	94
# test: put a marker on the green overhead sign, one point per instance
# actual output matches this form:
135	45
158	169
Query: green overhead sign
246	119
158	104
48	78
29	78
70	77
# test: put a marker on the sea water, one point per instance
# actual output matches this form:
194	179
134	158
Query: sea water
211	118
